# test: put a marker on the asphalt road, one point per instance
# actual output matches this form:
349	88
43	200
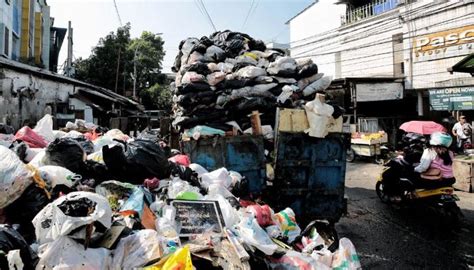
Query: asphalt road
409	238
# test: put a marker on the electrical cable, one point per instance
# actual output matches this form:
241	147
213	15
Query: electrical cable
413	11
248	14
207	13
118	14
376	42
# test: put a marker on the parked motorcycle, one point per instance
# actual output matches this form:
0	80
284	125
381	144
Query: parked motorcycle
396	181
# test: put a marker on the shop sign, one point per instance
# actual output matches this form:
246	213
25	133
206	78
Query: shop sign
437	43
452	99
378	91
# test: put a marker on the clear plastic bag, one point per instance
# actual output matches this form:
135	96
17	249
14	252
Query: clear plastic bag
137	249
254	235
345	258
15	177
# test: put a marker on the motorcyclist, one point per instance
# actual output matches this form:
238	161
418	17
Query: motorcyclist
436	164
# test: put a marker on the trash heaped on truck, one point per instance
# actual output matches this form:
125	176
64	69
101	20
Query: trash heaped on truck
93	198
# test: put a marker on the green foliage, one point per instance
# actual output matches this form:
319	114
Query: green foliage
101	66
157	97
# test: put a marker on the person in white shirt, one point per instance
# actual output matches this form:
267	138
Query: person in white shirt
461	130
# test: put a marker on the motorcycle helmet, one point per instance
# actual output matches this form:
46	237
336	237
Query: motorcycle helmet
441	139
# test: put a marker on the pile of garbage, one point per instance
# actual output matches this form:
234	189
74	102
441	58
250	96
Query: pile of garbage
92	198
222	78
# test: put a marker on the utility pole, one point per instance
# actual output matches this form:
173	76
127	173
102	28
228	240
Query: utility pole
135	73
69	72
117	72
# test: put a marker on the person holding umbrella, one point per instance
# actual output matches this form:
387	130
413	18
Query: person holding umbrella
461	131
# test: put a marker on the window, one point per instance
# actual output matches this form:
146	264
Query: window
6	48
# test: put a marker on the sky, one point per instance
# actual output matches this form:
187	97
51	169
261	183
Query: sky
176	19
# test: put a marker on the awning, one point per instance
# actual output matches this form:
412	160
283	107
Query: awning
466	65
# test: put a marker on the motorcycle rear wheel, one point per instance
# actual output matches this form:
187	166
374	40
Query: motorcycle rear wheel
380	192
451	215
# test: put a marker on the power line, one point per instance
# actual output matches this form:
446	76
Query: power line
199	7
207	13
118	14
373	43
412	11
248	14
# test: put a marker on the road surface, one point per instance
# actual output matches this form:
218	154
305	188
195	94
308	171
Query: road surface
389	238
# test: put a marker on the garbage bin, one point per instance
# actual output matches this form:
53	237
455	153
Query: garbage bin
244	154
310	175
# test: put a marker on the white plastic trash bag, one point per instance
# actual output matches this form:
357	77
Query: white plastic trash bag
319	85
38	159
31	153
220	176
254	235
65	253
230	215
44	128
97	157
51	223
57	175
346	256
15	177
58	134
137	249
200	170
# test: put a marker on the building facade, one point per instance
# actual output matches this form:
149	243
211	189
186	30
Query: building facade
370	46
27	33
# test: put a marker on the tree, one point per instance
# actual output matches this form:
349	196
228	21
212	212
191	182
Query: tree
145	53
157	97
148	55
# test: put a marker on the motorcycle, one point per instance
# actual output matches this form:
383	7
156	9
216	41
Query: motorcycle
396	181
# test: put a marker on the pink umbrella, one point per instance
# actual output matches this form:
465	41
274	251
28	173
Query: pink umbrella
422	127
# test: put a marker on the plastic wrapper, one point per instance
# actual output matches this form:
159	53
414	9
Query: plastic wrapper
287	222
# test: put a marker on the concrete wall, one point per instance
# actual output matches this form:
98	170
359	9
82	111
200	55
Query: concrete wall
367	48
15	108
361	49
317	19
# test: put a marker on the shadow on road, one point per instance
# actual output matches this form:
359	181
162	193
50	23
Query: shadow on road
405	238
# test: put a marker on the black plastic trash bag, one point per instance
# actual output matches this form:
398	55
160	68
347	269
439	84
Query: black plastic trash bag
24	209
67	153
20	150
87	145
6	129
10	239
307	71
135	161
